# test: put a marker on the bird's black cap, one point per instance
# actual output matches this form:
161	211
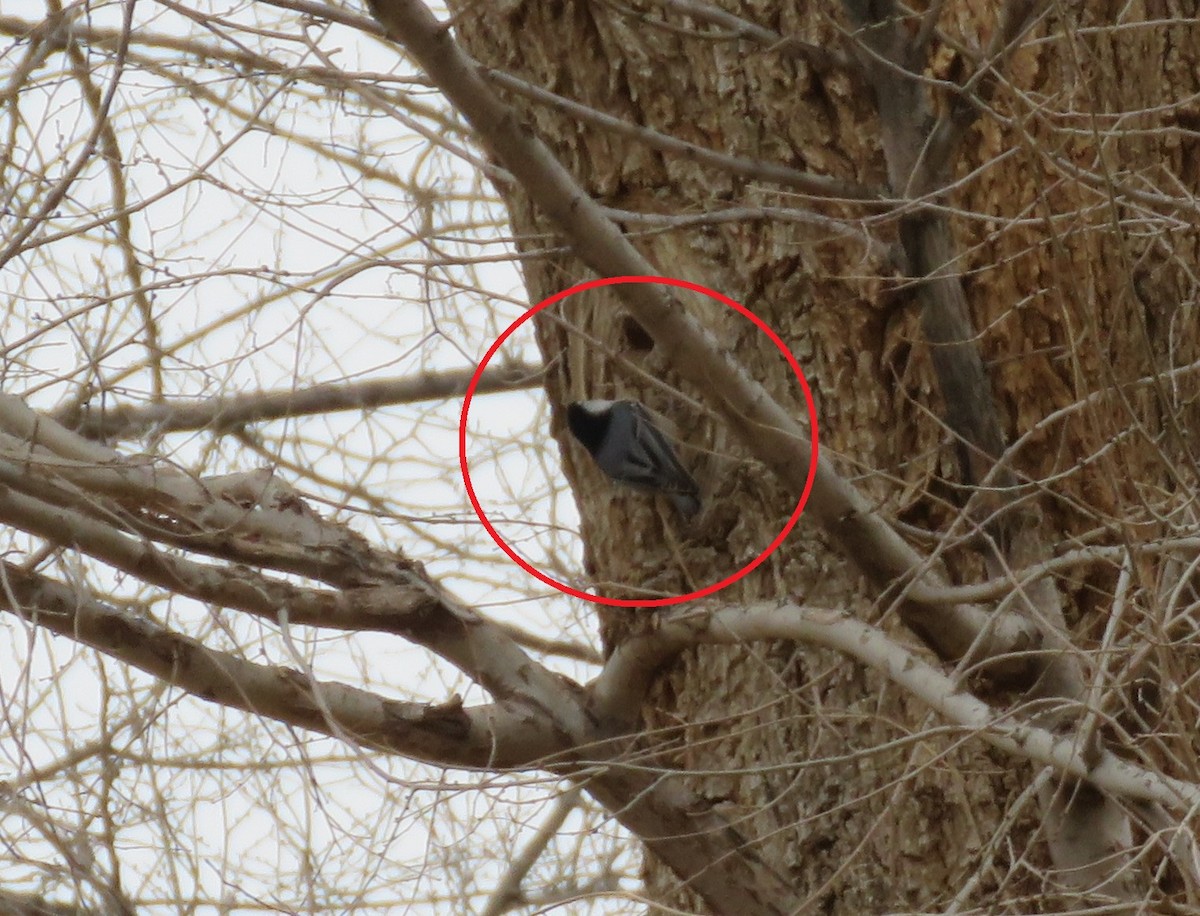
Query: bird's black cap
588	424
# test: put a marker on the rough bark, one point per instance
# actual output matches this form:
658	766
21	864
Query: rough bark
1066	291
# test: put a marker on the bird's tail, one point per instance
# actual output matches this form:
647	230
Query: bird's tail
687	504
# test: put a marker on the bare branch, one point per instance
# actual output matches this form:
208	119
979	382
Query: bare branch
249	518
221	414
32	222
1017	17
696	840
702	846
820	186
500	736
871	646
561	648
823	60
508	890
415	609
766	429
888	256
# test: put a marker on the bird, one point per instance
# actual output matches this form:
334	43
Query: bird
627	445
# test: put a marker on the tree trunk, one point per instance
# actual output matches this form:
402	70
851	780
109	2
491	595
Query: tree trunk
1073	245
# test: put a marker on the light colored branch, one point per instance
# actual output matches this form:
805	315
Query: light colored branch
253	519
413	608
904	667
542	645
240	588
58	191
34	450
519	731
224	413
496	736
768	431
508	894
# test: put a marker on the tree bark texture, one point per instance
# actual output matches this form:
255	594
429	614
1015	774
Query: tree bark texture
1075	249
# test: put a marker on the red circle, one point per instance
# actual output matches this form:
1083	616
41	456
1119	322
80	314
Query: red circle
622	602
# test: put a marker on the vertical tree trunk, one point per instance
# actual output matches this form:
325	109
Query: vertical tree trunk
1074	259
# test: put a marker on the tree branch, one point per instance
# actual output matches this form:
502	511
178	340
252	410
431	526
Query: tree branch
1088	835
820	186
502	735
871	646
507	894
519	731
768	431
252	519
221	414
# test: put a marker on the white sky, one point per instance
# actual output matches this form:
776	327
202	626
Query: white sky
212	247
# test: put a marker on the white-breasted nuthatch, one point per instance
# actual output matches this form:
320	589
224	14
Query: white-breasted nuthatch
632	450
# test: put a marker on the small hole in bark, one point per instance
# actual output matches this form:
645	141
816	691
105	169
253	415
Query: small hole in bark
636	337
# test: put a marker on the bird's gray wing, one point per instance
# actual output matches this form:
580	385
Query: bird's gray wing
658	465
